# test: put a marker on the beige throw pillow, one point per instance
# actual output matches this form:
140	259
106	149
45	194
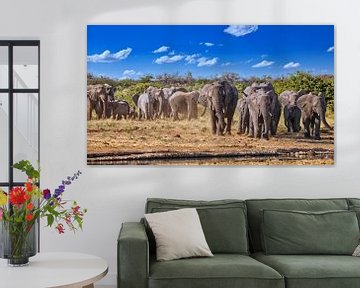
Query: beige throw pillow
357	251
178	234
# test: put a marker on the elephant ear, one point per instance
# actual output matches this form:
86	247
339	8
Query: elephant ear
301	102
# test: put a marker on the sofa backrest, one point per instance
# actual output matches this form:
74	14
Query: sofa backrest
223	221
255	206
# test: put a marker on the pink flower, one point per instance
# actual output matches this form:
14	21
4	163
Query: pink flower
76	210
1	214
60	228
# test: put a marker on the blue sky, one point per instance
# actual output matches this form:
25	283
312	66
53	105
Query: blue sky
130	51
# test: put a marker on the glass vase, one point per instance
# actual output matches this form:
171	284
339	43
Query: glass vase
18	242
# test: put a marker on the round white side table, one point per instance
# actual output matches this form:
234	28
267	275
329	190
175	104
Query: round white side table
50	270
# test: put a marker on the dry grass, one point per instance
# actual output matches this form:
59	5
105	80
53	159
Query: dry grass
164	135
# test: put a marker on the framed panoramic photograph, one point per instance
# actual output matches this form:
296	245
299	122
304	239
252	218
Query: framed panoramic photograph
210	95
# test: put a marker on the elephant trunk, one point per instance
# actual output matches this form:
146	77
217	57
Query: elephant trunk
105	108
219	112
151	110
321	111
266	115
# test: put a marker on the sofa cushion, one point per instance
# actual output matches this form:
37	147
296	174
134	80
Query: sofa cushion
224	221
297	232
222	270
314	271
255	206
353	201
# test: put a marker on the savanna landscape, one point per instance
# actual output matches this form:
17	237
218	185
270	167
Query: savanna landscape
183	142
182	118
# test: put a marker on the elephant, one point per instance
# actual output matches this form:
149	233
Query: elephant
185	103
275	107
97	99
110	92
244	115
313	109
146	106
167	93
203	97
158	95
120	109
259	104
292	113
222	99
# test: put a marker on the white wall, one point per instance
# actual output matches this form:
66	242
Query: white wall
117	194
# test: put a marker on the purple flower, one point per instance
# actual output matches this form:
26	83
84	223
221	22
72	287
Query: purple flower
58	192
64	183
46	194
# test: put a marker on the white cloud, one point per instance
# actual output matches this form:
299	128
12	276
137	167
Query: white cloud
161	49
263	63
108	57
129	72
191	59
203	61
172	53
208	44
240	30
331	49
291	65
226	64
264	56
167	59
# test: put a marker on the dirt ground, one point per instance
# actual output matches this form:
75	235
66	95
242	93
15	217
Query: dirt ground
167	142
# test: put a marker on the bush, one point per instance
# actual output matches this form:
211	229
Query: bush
310	83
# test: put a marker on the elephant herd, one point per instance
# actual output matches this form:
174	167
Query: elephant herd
260	110
258	105
220	97
100	98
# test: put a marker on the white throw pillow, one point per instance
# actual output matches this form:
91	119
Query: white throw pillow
178	234
357	251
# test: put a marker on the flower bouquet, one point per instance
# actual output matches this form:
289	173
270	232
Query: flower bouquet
21	208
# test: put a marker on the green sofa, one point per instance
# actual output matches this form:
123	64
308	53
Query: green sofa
233	230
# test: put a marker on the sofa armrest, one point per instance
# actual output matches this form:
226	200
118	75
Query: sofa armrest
133	256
